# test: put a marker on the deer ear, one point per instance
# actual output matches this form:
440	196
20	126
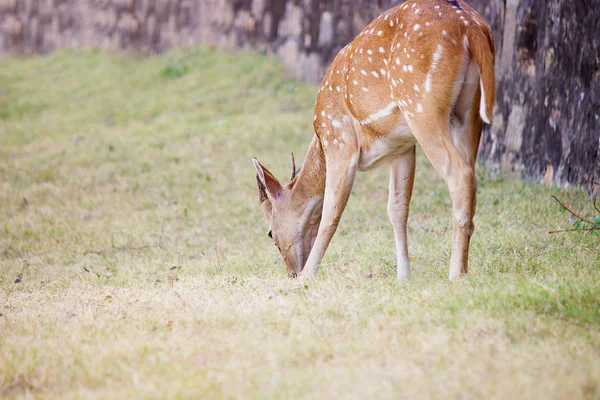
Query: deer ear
267	183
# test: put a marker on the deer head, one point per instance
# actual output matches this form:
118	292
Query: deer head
293	214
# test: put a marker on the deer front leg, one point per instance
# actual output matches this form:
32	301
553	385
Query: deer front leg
341	170
402	176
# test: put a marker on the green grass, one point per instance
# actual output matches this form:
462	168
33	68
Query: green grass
135	262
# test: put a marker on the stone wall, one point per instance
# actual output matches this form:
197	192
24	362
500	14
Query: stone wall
546	123
40	26
547	116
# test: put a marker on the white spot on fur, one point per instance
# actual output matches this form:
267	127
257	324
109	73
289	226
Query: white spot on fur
384	112
434	64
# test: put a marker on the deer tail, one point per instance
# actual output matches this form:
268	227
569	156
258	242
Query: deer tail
481	46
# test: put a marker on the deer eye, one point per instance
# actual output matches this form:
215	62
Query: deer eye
270	234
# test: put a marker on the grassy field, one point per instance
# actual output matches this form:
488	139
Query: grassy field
134	261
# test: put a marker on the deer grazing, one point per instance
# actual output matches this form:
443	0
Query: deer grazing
421	73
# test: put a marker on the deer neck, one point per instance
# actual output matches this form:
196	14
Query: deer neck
309	184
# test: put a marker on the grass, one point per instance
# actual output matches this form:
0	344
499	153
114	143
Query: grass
135	263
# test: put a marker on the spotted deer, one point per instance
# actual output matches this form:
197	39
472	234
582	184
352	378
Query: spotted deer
421	73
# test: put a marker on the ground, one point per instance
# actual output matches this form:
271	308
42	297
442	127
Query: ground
135	262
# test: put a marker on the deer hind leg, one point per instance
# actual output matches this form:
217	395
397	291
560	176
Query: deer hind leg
465	122
341	160
465	129
434	138
402	175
